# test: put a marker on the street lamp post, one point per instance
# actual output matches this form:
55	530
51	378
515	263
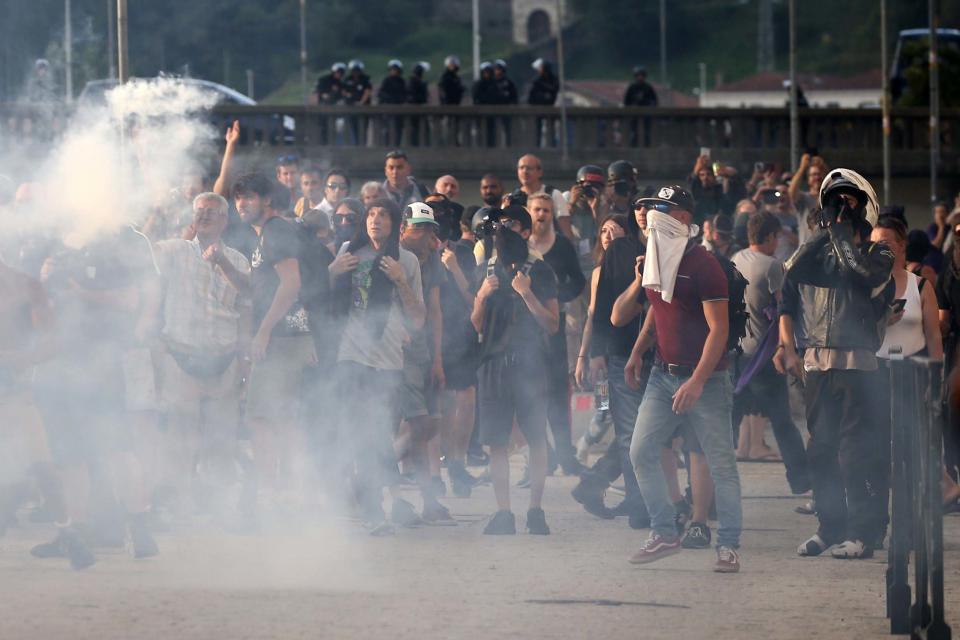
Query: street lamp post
475	16
68	49
933	11
303	51
563	86
663	44
794	115
885	101
123	68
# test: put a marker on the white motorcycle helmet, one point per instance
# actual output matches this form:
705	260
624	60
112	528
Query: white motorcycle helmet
847	178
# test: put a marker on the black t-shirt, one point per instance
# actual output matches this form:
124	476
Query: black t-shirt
354	88
617	271
329	90
459	336
508	325
114	261
417	92
562	258
451	88
948	294
393	90
279	241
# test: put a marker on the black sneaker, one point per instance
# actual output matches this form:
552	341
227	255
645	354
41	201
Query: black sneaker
52	549
403	514
142	544
436	513
622	509
639	518
461	482
537	523
571	466
590	495
503	523
697	536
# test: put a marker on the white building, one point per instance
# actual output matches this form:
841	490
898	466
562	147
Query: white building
768	89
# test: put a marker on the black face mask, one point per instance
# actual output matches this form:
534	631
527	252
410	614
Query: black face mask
344	232
512	249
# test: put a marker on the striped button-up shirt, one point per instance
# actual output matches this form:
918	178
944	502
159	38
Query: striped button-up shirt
201	309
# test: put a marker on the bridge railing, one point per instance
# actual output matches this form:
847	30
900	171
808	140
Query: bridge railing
660	137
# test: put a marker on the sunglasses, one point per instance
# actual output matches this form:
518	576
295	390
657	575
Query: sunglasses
662	207
341	186
346	218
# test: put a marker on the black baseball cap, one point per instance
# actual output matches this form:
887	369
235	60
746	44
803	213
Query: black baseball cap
518	213
722	224
673	195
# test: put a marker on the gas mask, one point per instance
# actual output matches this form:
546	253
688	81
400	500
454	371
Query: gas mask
512	250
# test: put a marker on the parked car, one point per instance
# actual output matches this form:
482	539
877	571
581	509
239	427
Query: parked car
269	128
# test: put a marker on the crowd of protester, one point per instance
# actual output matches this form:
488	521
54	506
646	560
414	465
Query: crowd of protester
267	343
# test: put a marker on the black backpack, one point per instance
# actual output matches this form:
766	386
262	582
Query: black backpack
737	313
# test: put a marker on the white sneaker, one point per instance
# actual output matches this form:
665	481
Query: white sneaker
813	546
852	550
583	450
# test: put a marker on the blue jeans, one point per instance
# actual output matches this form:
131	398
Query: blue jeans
710	420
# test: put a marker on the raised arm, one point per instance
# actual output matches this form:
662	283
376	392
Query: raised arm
222	185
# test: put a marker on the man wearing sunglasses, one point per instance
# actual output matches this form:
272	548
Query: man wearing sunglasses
689	388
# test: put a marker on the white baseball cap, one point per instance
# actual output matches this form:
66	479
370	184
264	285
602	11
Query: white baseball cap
419	213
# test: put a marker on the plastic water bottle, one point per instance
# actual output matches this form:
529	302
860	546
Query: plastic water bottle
601	394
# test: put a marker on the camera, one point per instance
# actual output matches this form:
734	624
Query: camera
772	196
518	197
589	191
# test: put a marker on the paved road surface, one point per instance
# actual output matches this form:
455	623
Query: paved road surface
315	580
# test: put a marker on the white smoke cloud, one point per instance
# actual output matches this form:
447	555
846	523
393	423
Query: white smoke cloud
119	159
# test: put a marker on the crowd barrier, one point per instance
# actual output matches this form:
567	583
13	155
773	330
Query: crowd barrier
916	522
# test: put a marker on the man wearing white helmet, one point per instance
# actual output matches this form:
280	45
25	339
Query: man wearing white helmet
418	93
450	86
357	87
845	292
393	90
330	86
543	93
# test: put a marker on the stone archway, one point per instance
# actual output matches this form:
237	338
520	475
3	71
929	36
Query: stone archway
538	26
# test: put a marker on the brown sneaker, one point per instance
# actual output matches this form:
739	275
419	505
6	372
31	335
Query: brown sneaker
728	560
655	548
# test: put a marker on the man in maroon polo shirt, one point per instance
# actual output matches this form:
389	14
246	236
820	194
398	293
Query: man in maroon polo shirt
689	389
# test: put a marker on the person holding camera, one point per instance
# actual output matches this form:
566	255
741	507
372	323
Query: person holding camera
515	312
844	322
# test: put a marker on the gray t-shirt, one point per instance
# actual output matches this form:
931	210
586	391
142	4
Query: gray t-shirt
358	345
765	275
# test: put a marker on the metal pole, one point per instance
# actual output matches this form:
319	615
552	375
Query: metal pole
111	40
303	51
563	85
250	83
475	16
123	68
703	81
794	115
663	44
68	48
933	11
885	101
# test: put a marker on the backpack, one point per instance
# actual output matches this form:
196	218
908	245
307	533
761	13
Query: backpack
737	313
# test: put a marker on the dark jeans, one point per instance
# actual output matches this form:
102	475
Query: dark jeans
847	470
365	436
766	395
624	403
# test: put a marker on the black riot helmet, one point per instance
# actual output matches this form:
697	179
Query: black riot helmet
590	173
623	177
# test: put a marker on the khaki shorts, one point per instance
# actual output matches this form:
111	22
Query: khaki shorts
22	439
275	383
199	398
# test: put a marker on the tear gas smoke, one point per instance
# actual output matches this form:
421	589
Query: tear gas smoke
118	159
